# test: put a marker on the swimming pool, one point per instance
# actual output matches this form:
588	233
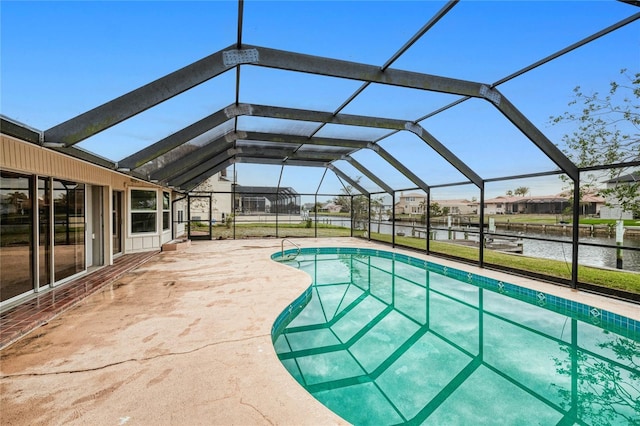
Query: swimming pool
385	338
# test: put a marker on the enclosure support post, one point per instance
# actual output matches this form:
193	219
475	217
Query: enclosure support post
619	242
369	219
315	207
315	215
232	214
278	198
393	222
353	217
210	217
427	221
576	231
277	213
481	237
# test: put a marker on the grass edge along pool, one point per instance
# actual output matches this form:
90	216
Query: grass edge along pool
590	317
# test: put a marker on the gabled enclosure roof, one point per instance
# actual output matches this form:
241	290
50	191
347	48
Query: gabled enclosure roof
372	112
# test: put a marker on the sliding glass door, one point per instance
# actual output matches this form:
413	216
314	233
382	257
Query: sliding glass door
16	234
44	231
69	222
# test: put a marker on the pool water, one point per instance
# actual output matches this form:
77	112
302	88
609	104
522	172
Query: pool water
382	338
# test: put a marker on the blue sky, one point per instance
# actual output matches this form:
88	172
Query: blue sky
59	59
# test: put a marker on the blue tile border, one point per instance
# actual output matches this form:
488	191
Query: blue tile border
589	314
288	314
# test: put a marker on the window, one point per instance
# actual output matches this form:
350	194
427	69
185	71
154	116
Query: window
166	211
143	211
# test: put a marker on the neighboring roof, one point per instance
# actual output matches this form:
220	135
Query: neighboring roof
455	202
264	190
589	198
631	177
413	194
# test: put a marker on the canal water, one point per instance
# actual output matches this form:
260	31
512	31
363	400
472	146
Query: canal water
587	255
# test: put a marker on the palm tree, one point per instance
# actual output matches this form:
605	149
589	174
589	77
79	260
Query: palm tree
18	200
521	190
377	205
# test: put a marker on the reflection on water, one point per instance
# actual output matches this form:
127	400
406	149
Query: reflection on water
383	341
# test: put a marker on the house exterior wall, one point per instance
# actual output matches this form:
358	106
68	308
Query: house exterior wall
40	168
548	204
415	204
25	157
461	207
331	208
410	204
615	210
221	198
615	213
498	205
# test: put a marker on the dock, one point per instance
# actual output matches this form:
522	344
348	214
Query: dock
506	245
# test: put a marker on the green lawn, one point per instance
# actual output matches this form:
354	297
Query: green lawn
255	230
610	222
621	280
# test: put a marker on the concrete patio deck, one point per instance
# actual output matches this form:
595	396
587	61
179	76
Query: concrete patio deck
183	339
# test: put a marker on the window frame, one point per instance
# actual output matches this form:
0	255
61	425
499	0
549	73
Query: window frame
166	210
149	211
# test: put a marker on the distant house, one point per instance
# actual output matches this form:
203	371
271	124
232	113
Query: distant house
412	203
220	187
591	204
614	210
331	207
459	206
545	204
309	207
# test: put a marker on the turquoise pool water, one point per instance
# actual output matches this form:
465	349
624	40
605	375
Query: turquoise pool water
382	338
